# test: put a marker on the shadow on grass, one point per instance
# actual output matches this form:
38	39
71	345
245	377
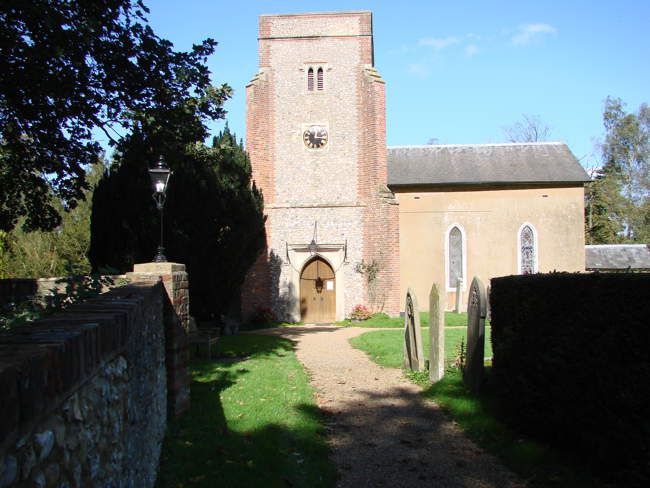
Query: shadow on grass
202	449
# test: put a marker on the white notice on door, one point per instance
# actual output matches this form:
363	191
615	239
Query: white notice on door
330	285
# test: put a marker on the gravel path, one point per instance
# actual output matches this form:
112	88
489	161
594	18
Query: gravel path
381	431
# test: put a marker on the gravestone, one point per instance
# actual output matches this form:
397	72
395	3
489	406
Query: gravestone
413	356
476	311
436	334
459	295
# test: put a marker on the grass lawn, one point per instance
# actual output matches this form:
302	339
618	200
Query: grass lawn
385	347
381	320
250	422
540	465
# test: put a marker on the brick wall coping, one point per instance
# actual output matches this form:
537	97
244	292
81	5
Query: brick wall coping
43	363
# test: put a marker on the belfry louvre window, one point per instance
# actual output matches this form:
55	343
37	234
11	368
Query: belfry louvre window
455	257
315	78
527	250
310	79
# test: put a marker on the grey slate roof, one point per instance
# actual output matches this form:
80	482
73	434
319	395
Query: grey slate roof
617	256
537	162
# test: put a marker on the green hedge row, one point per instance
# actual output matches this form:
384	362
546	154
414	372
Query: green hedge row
572	364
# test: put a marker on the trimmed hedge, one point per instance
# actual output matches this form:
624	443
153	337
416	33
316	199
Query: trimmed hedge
571	364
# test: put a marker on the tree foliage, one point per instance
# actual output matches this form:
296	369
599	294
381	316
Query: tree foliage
60	252
71	67
529	129
618	201
213	217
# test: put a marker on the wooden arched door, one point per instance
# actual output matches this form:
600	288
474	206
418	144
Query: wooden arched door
317	292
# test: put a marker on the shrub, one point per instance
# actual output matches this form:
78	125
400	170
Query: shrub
360	312
570	361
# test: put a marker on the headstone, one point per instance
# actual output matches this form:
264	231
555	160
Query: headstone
436	334
476	312
459	295
413	356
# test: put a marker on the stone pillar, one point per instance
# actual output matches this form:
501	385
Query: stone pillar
177	318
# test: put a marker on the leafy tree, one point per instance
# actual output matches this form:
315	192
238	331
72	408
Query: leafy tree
5	247
213	217
60	252
529	129
625	154
69	67
618	199
603	207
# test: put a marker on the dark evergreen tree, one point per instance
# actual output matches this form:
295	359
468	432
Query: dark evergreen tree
213	217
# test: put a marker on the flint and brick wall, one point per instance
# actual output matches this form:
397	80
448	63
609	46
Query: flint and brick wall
177	320
381	218
86	393
341	187
83	394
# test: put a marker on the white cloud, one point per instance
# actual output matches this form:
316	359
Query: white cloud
440	42
526	33
420	70
471	50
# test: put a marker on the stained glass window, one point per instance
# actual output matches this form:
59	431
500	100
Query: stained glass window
455	256
527	249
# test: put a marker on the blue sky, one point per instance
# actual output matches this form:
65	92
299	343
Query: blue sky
458	71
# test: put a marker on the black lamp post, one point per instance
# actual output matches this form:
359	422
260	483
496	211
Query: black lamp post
159	178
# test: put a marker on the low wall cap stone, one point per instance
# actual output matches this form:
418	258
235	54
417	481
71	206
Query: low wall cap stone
158	268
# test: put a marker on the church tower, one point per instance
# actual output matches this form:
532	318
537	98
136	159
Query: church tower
316	135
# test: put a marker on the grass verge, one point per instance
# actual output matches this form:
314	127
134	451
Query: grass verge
249	421
478	416
385	347
381	320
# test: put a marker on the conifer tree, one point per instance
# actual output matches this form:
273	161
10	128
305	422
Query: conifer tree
213	216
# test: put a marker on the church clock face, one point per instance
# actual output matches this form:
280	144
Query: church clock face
315	137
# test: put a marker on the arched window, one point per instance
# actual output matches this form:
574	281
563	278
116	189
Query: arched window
320	82
527	249
310	79
456	257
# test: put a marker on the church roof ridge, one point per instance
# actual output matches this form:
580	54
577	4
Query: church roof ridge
484	144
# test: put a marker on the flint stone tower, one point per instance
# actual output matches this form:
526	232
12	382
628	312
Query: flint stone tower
316	135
